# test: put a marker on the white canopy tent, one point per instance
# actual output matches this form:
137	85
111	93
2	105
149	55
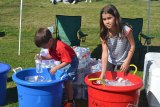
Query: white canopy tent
148	22
148	17
20	28
20	24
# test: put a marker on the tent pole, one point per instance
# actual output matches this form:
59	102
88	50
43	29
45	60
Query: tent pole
20	27
148	22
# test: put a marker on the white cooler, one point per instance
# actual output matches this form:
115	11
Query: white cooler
151	78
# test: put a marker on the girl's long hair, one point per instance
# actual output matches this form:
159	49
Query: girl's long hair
109	9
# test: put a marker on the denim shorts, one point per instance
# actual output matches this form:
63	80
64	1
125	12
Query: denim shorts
72	70
112	67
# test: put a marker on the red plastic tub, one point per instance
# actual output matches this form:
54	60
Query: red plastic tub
113	96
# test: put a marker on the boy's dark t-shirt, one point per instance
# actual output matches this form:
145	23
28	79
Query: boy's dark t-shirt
62	52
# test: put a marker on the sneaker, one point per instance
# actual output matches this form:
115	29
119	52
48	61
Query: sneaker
53	1
74	2
68	104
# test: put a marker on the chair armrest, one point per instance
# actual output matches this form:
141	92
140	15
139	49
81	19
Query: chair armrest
147	38
82	36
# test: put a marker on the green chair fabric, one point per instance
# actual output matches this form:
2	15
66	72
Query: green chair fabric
67	28
137	25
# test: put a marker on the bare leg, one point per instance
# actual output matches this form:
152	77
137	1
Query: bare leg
69	89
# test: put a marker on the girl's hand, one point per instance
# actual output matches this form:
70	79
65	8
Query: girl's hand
102	76
124	67
53	70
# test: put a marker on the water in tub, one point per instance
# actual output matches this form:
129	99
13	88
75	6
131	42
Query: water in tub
38	77
117	82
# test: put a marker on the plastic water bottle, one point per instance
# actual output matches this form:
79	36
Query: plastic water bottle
38	66
51	28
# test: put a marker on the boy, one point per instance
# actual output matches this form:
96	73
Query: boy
59	51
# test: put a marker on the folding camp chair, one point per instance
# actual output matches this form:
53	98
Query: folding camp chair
67	29
2	34
137	24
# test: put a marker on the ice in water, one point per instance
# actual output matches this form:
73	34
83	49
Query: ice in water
36	79
39	70
117	82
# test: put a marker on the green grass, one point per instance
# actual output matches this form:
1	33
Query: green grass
40	13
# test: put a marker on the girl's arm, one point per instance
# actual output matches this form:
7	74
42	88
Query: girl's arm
125	65
104	58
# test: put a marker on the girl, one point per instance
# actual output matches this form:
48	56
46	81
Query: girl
117	41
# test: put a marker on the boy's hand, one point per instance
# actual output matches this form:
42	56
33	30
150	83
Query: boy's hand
38	57
53	70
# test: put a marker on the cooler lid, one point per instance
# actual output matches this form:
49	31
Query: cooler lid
155	72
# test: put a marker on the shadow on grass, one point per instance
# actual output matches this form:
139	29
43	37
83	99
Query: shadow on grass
97	52
81	103
137	59
143	100
12	95
9	79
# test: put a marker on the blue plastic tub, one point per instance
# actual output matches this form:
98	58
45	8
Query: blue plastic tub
4	68
39	94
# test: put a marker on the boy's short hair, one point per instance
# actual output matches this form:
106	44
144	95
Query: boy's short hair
42	36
